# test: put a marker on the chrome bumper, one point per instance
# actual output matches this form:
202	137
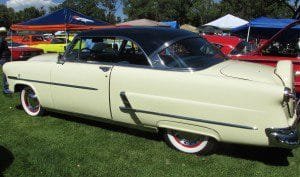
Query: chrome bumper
285	137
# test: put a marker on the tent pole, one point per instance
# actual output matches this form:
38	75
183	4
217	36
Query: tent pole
248	34
11	46
66	28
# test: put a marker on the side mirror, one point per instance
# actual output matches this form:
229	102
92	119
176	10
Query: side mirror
60	59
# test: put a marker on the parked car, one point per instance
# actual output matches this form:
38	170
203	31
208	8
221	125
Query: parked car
285	45
230	45
57	45
30	39
171	81
22	52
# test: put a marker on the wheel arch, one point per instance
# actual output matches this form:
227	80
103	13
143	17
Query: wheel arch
189	128
18	87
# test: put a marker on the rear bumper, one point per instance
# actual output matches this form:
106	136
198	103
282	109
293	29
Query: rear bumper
285	137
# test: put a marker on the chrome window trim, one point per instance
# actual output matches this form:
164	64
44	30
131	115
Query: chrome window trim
169	43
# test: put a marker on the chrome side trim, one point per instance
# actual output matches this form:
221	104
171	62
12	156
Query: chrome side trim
127	109
52	83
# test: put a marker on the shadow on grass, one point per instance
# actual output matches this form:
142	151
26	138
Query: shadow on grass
268	156
19	107
109	126
6	159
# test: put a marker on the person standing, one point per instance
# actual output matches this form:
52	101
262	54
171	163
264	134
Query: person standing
4	56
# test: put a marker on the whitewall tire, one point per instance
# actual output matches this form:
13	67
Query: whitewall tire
189	143
30	102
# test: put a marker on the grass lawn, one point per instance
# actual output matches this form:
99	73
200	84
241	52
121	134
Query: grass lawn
60	145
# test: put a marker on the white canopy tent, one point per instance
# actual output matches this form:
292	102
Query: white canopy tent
227	22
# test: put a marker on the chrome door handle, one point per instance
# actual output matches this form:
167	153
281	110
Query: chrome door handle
104	68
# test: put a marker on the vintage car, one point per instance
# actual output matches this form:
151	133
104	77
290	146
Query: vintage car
21	52
57	45
30	39
166	80
230	45
285	45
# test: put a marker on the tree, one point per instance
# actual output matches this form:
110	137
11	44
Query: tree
202	12
110	10
158	9
252	9
293	6
27	14
6	16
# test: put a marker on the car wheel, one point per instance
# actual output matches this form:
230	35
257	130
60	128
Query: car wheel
30	102
189	143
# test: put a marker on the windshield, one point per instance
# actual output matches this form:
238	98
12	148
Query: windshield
243	48
191	53
59	41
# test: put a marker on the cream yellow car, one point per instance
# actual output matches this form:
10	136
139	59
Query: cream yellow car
165	80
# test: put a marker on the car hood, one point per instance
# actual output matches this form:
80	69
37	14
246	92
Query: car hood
250	71
51	57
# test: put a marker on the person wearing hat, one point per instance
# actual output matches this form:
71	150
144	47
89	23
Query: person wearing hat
4	56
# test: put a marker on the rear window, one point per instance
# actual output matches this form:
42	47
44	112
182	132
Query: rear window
191	53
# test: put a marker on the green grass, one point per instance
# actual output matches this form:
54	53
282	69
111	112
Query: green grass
60	145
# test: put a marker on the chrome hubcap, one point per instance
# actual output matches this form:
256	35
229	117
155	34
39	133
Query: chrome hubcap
31	101
187	139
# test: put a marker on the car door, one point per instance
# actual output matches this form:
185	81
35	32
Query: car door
80	85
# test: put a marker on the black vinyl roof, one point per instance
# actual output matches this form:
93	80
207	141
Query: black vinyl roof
149	38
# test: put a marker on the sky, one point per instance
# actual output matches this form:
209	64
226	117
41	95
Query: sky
21	4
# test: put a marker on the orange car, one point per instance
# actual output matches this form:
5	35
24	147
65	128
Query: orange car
30	39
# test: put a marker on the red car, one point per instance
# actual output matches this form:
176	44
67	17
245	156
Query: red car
229	45
20	52
30	39
285	45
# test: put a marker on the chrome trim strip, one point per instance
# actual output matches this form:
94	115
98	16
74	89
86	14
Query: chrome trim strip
125	109
52	83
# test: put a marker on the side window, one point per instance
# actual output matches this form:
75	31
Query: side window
37	38
132	54
73	52
106	49
99	49
26	39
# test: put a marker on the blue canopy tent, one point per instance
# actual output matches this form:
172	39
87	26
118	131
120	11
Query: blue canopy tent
172	24
265	26
61	20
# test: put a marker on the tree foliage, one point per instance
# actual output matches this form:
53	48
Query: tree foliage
252	9
195	12
198	12
8	16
